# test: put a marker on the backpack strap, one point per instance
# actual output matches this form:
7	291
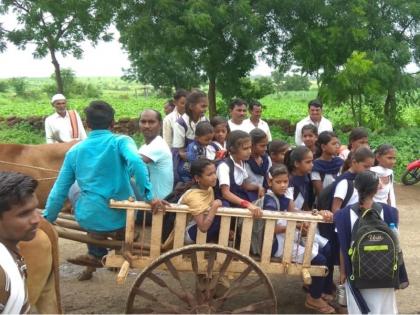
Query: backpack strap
349	193
74	126
272	195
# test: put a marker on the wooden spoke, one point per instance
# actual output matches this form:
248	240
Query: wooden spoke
204	287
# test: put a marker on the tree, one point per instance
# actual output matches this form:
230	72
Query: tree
219	38
296	83
58	27
322	35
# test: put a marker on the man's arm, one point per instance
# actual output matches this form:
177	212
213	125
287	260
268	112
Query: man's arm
298	134
60	190
167	131
49	136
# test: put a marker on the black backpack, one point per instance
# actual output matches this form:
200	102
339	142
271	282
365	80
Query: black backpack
326	196
373	251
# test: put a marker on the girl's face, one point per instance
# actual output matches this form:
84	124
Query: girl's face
309	138
200	108
278	157
305	166
362	142
279	184
243	152
362	166
259	149
331	147
208	178
220	133
388	159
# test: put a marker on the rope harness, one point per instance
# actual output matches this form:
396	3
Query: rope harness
34	167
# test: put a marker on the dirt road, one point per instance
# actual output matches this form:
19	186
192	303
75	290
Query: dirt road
103	295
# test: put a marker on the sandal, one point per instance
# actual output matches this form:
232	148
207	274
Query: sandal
326	309
86	260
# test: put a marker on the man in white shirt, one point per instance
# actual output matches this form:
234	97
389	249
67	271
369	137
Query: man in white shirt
64	125
315	118
170	120
237	109
255	121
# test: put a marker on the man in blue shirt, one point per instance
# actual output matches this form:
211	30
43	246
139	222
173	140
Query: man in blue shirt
102	165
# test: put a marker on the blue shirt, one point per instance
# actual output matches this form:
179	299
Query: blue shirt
161	167
195	151
102	165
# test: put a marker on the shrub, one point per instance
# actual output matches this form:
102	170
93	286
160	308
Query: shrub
296	83
19	85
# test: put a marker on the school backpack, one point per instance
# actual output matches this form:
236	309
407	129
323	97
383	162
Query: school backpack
257	236
326	196
373	251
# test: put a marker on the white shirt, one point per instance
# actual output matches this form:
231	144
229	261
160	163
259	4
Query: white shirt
244	127
255	178
328	178
323	125
239	173
211	151
341	192
180	134
168	126
386	190
58	128
261	125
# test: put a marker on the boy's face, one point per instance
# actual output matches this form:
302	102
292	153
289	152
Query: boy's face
20	223
238	113
205	140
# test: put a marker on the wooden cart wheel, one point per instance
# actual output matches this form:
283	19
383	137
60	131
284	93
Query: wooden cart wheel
208	289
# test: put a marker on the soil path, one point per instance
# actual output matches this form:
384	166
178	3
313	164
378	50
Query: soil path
103	295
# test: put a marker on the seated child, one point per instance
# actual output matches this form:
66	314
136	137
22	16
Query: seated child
309	137
217	148
197	149
200	199
277	149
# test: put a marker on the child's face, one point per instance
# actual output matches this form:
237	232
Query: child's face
331	147
278	157
208	178
205	140
243	152
362	142
362	166
180	104
168	109
388	159
309	138
200	108
305	166
260	148
279	184
220	133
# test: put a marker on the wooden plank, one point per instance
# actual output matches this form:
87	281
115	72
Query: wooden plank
130	230
268	242
223	236
307	257
201	237
289	241
246	234
179	228
156	234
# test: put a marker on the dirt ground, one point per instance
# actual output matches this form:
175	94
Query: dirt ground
103	295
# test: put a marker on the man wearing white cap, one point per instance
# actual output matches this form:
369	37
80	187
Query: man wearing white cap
64	125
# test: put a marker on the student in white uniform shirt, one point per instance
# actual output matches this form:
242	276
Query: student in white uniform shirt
315	118
64	125
255	121
237	109
170	120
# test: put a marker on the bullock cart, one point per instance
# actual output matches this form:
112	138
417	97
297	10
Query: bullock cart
203	277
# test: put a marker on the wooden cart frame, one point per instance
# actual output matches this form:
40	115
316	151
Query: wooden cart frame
220	272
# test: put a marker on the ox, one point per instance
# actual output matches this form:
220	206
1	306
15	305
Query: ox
42	162
41	257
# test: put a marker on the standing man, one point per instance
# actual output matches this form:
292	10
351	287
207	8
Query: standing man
102	165
64	125
19	221
237	109
170	120
156	153
315	118
255	121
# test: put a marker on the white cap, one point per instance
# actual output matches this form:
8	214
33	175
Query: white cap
57	97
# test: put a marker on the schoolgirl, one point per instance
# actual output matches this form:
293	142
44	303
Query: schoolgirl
385	159
258	164
327	166
358	137
200	199
309	136
232	186
217	148
320	291
277	149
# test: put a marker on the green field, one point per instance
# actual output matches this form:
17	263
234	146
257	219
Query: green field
129	100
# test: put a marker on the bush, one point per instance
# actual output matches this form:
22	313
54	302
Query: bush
296	83
3	86
255	89
19	85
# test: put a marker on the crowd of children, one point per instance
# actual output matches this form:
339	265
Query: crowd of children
236	168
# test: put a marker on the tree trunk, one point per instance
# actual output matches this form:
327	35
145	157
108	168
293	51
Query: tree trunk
353	110
390	108
58	78
212	97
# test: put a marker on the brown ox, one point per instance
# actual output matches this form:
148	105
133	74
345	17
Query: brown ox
42	162
41	257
